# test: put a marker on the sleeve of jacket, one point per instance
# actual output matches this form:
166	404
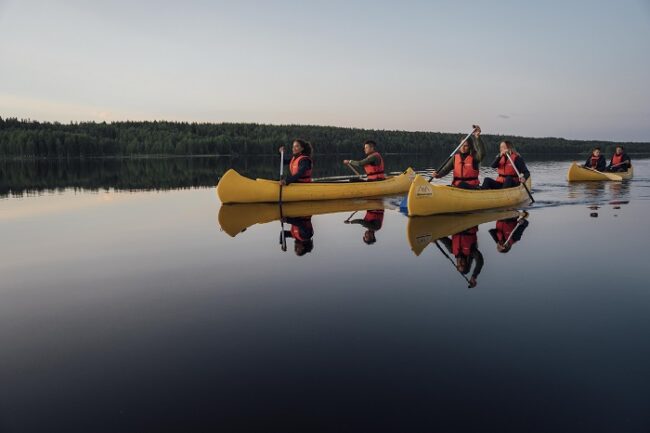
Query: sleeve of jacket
478	258
521	166
602	163
519	231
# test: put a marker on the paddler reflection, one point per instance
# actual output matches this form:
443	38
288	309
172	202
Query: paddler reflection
302	233
509	231
464	247
372	222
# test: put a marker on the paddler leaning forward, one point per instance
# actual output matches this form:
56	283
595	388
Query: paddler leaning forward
465	163
373	163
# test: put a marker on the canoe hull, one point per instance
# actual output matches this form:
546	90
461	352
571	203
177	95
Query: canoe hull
578	173
235	188
427	199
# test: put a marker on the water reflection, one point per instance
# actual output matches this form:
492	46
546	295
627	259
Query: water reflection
372	222
456	236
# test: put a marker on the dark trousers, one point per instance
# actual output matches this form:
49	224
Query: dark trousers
618	169
489	183
465	185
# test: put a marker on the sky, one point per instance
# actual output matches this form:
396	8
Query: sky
574	69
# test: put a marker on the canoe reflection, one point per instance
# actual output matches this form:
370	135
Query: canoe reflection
372	222
456	236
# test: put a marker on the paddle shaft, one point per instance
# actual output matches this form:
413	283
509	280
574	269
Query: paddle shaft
519	175
451	155
353	169
282	235
452	262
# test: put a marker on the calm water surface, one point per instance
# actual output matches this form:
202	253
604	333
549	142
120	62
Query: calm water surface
156	311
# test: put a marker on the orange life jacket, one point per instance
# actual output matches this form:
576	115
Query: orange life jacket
464	170
594	161
375	215
616	159
295	164
375	172
461	243
506	169
295	229
505	228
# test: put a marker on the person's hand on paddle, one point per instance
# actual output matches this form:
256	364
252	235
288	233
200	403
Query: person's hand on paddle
281	149
477	131
522	178
472	282
434	174
346	161
283	182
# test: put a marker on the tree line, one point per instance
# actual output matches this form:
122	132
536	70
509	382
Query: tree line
23	138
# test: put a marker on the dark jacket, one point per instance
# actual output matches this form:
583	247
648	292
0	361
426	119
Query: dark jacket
474	255
602	163
303	166
622	166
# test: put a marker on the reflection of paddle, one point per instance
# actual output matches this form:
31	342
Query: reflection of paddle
350	217
451	155
519	175
469	284
514	230
283	238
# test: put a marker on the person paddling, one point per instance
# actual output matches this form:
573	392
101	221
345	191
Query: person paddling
508	232
373	163
464	247
596	161
620	161
300	163
507	173
372	222
302	233
465	163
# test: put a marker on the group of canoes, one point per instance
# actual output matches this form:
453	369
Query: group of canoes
510	187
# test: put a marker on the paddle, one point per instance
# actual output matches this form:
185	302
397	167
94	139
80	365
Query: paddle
469	284
283	238
353	169
350	217
514	230
519	175
451	155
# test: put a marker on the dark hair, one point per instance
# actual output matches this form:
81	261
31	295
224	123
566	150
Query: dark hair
307	148
596	148
371	234
306	246
621	146
370	142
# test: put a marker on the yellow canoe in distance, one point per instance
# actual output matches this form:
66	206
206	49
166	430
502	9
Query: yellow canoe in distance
235	188
423	231
235	218
425	198
578	173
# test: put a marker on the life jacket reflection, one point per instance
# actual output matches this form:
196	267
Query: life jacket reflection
461	243
303	224
464	170
505	228
294	166
375	172
506	169
375	217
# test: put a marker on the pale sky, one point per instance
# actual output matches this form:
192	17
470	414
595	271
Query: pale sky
576	69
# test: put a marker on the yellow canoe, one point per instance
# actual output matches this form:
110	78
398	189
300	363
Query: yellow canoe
235	188
235	218
427	199
423	231
578	173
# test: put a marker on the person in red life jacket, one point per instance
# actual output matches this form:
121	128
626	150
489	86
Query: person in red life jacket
300	162
302	233
596	161
507	175
372	222
620	161
508	232
464	247
465	163
373	163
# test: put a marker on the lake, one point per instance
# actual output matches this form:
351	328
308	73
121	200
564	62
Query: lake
130	300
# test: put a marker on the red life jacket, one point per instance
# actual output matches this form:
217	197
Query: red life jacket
505	228
506	169
375	172
616	159
464	170
295	164
295	229
375	215
594	161
461	243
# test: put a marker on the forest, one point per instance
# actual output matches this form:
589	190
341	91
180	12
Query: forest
24	138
